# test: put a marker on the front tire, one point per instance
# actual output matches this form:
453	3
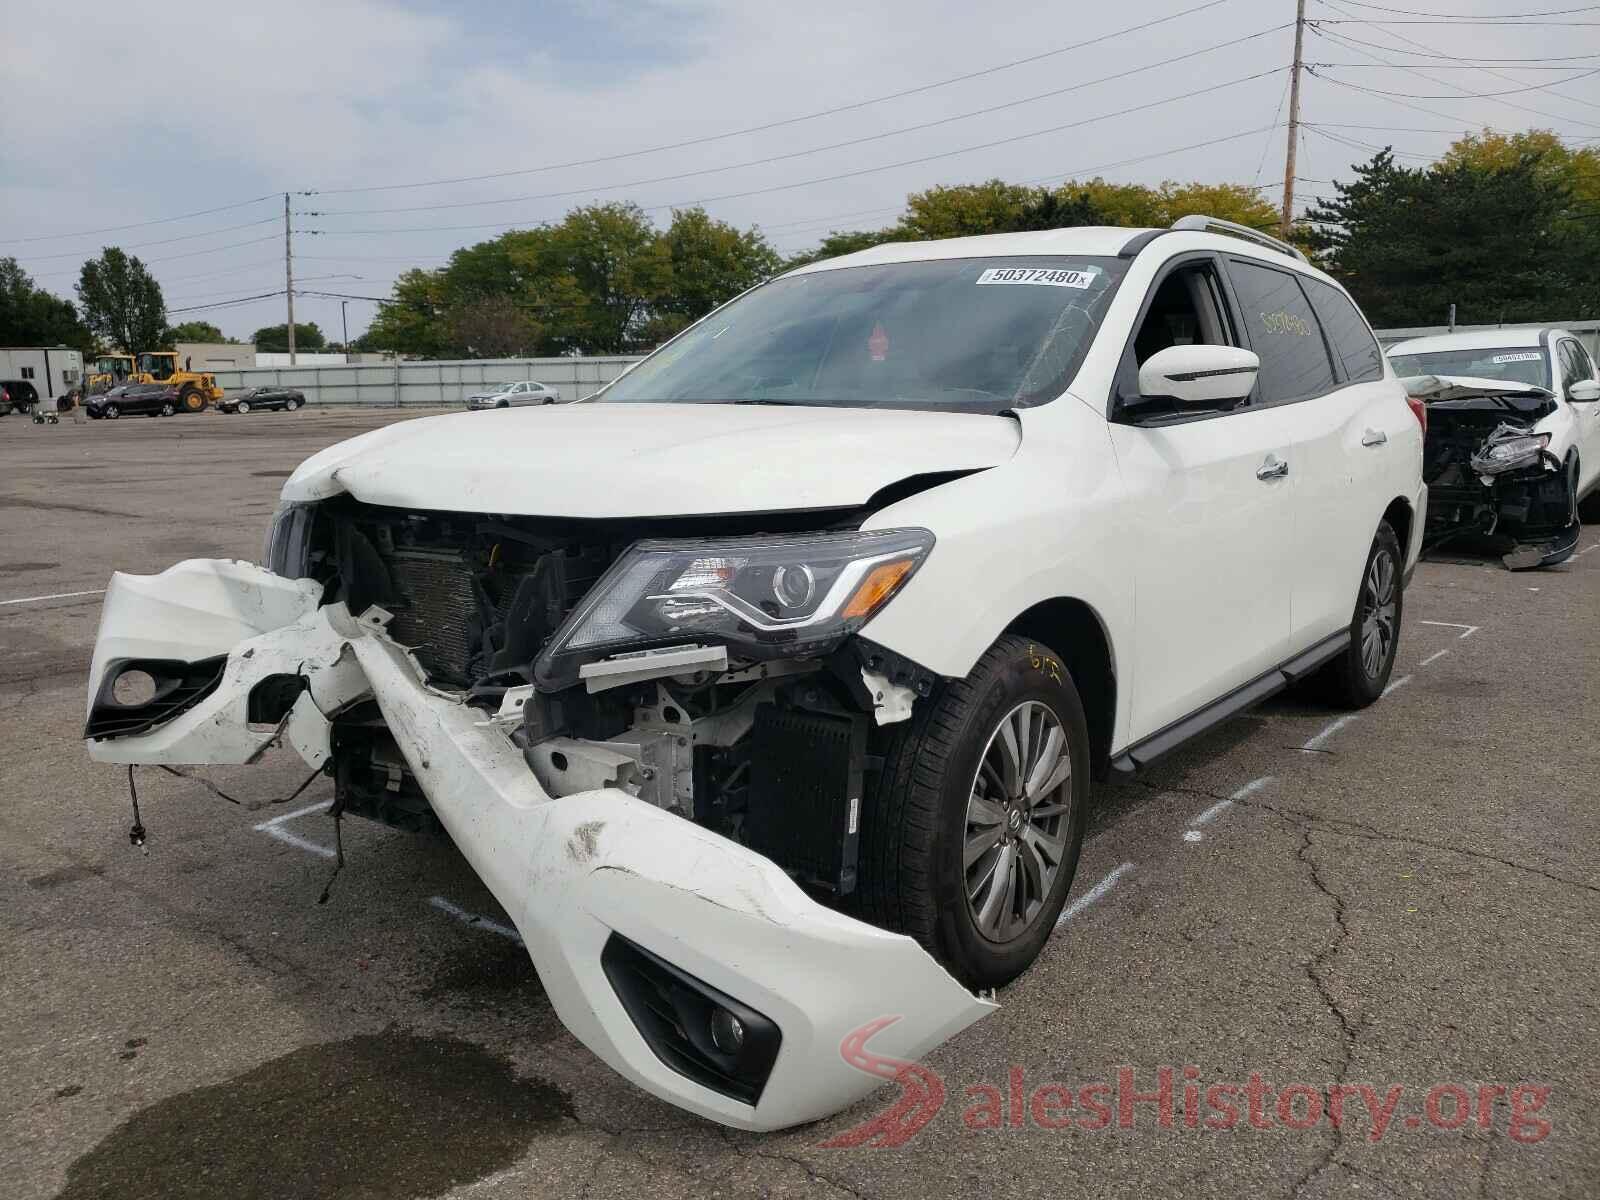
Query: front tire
112	412
1358	676
192	400
290	404
971	837
242	407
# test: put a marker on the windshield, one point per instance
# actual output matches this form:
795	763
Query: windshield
1518	364
971	335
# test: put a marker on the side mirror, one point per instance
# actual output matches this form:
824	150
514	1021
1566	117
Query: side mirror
1585	391
1199	374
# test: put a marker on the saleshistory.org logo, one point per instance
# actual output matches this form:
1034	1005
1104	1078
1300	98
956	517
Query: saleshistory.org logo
1177	1097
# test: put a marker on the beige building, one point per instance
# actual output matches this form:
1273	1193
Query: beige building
216	356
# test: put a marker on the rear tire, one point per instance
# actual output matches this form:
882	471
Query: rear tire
1358	676
290	404
167	410
952	812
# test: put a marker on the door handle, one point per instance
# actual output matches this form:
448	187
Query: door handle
1374	437
1272	468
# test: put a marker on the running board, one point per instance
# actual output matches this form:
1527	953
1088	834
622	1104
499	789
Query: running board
1141	754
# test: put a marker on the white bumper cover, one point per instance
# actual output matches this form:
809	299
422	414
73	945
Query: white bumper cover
569	871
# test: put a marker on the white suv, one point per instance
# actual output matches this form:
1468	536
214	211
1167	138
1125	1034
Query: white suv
765	691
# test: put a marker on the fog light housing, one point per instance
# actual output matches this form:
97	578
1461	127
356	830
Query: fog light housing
697	1030
137	694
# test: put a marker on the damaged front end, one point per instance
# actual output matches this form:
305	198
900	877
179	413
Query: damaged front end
1491	476
649	739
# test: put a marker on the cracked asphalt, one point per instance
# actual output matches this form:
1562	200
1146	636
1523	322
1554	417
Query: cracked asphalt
1399	923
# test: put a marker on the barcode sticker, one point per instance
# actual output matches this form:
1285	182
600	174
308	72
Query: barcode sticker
855	813
1070	277
1528	356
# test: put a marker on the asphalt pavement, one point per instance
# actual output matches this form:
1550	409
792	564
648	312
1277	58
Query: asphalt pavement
1313	954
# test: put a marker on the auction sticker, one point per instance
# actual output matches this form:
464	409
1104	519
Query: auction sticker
1529	356
1050	276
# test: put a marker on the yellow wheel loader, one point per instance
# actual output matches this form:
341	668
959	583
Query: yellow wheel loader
197	390
106	372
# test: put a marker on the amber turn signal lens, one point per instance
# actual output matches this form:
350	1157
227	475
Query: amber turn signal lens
877	587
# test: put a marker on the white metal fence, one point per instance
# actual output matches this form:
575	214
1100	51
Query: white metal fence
428	384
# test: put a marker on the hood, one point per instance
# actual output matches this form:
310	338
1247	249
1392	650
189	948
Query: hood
1435	389
648	460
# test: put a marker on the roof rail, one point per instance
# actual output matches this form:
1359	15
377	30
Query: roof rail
1199	222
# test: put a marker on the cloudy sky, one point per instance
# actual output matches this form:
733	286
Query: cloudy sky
120	112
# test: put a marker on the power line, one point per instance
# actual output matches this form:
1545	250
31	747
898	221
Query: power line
845	174
812	116
759	162
226	303
1424	53
1488	70
1532	87
1464	91
1408	12
187	237
204	212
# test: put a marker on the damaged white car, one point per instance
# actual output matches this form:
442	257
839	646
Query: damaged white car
1513	438
765	690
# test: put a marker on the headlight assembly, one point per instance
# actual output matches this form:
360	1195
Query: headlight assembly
1509	452
760	597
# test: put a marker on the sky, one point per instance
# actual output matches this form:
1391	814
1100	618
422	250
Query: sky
127	113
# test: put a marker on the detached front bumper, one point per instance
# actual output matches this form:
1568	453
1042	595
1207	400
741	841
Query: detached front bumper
575	873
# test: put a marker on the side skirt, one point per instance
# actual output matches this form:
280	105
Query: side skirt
1141	754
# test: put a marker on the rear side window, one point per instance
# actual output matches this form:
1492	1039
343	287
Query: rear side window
1284	333
1584	362
1347	333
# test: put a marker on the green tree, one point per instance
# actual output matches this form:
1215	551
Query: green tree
708	262
1502	244
1577	170
31	316
193	331
121	301
411	323
275	338
492	327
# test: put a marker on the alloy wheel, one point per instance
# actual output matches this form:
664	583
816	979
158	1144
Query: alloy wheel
1379	608
1015	835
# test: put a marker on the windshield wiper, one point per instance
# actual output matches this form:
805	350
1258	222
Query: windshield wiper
779	403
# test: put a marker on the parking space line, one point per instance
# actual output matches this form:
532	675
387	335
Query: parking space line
1470	629
1398	683
1221	806
1096	893
274	828
1327	732
473	919
1434	657
53	596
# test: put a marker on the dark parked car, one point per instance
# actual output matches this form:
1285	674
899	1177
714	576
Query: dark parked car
152	399
287	399
20	395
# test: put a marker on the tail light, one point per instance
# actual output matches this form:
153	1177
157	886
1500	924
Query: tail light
1419	410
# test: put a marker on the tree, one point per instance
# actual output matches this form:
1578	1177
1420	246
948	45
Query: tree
121	301
412	322
1502	243
492	327
275	338
31	316
708	261
1578	170
193	331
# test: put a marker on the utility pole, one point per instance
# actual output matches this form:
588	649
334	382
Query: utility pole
288	259
344	319
1287	221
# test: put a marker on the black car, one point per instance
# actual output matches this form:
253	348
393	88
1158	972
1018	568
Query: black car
152	399
285	398
19	395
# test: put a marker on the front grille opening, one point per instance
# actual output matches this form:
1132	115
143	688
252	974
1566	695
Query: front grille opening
698	1031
